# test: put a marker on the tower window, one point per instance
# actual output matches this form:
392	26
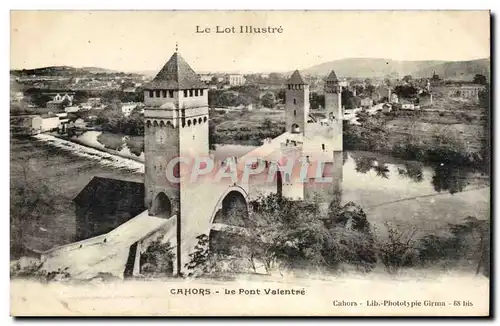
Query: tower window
171	94
201	92
183	112
151	94
185	93
323	146
164	93
157	93
294	111
294	101
190	93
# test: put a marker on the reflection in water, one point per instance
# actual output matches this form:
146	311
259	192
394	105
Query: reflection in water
444	177
449	178
364	163
382	170
412	170
345	157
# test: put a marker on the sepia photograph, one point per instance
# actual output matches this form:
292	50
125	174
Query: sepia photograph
250	163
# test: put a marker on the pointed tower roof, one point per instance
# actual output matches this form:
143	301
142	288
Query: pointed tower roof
296	79
332	77
176	74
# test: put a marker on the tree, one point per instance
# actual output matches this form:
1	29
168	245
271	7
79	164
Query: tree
397	250
157	260
407	78
406	91
316	100
369	89
346	97
479	79
268	100
267	123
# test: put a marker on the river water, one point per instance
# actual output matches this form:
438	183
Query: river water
387	188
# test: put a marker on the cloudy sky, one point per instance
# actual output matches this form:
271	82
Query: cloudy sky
144	40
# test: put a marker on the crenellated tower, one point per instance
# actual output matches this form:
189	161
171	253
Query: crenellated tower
318	141
176	124
296	103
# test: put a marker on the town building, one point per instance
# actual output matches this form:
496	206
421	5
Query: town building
236	80
470	91
44	123
408	105
59	102
206	78
94	101
17	97
129	107
72	109
394	98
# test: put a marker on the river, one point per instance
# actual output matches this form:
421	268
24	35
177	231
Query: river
387	188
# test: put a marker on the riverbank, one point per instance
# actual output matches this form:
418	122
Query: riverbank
412	136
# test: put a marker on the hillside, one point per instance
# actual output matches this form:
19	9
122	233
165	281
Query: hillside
380	68
462	70
63	71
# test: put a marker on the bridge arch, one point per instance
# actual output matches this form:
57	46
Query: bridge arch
233	200
161	206
232	203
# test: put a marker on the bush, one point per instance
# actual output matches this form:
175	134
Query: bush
157	260
35	271
397	250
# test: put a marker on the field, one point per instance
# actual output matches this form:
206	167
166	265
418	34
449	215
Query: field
247	127
61	176
466	126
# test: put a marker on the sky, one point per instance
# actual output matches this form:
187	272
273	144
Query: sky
144	40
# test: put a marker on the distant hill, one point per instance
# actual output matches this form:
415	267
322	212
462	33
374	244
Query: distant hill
64	71
462	70
380	68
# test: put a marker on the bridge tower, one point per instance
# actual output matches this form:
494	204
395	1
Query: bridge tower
176	126
296	103
333	107
318	141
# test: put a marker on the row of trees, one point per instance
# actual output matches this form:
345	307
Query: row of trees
113	120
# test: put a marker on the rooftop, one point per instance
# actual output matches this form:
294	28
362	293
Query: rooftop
296	79
332	77
176	74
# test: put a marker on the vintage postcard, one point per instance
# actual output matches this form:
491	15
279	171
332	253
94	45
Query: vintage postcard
250	163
